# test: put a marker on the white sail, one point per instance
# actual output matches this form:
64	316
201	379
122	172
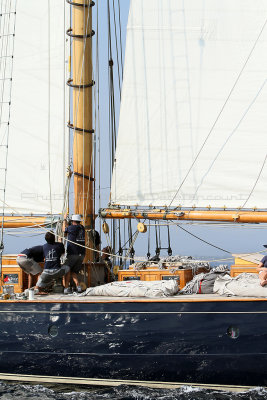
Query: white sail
195	71
38	139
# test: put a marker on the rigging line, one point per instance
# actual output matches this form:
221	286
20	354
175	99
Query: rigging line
112	122
221	111
126	242
117	51
9	111
4	50
49	116
255	184
98	114
3	85
119	9
228	138
148	254
202	240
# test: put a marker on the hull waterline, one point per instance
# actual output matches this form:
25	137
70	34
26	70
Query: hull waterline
155	342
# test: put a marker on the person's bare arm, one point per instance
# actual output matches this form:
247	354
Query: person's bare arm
260	267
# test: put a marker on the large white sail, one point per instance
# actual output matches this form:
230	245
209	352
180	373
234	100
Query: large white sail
195	72
38	140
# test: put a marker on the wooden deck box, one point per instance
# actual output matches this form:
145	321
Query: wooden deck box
12	274
239	269
182	275
241	265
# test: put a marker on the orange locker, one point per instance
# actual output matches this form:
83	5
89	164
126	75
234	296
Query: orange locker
182	275
239	269
12	274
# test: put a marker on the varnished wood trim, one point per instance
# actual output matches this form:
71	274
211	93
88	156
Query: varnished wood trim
117	382
141	300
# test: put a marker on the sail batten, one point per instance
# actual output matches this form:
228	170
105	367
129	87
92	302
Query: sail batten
193	74
38	139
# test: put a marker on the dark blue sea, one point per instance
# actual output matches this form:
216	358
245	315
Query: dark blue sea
59	392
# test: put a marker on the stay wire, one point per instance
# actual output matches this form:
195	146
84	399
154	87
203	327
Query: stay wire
255	184
119	12
202	240
117	51
8	47
49	113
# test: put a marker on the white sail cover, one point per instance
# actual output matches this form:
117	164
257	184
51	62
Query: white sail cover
38	140
195	72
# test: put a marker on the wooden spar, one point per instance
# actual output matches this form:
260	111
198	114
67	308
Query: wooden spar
82	85
22	222
210	215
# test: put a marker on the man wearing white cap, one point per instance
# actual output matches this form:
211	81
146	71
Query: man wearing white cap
75	251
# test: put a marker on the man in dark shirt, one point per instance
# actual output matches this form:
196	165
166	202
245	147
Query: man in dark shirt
29	260
262	268
52	268
75	251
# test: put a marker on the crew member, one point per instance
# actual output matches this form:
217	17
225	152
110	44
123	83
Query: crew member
75	251
105	257
262	268
29	259
52	268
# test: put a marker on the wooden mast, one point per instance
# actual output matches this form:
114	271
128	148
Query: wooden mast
82	85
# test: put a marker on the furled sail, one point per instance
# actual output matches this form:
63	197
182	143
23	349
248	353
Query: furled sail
193	119
38	141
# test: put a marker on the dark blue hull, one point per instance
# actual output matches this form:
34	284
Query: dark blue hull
152	341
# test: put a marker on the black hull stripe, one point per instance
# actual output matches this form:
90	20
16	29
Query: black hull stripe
130	312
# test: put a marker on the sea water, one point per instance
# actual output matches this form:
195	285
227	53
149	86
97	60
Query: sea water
59	392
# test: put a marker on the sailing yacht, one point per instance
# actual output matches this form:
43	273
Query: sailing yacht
190	147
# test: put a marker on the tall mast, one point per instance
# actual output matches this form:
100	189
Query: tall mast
82	83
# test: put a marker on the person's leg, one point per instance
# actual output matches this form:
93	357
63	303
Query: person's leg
29	281
75	278
43	281
65	274
75	270
263	277
66	280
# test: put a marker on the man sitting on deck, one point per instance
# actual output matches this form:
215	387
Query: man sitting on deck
29	259
52	268
262	268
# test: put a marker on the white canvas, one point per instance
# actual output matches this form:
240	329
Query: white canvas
28	187
182	60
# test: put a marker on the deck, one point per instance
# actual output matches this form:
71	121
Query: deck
61	298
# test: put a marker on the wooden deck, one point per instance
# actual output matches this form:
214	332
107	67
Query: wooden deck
60	298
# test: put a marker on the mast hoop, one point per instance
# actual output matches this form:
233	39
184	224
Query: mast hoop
90	178
73	35
72	3
82	86
69	125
